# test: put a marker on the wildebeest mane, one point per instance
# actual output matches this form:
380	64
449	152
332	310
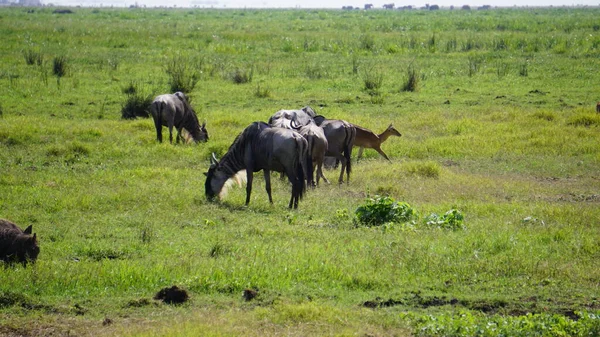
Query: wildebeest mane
233	161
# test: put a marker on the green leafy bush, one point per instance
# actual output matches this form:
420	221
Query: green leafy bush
453	219
381	210
466	323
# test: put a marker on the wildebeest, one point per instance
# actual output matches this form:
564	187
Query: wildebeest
17	245
173	110
366	138
285	118
303	122
340	140
261	147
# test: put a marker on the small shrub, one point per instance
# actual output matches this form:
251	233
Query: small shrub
33	57
262	92
59	66
240	76
382	210
474	65
412	80
136	105
372	78
183	74
367	42
523	71
453	219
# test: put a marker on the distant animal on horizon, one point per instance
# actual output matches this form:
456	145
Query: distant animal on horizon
261	147
598	107
17	245
340	141
173	110
365	138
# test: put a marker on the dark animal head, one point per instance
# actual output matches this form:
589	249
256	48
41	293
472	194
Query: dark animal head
27	248
209	189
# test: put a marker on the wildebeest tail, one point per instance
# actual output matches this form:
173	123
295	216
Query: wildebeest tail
348	144
309	158
299	184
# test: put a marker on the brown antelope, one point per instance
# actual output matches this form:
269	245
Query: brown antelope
365	138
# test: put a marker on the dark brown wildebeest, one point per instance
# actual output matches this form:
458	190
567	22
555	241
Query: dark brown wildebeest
365	138
261	147
17	245
340	140
173	110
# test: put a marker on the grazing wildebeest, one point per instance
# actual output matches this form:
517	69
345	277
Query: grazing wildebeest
17	245
340	140
317	147
366	138
261	147
284	118
302	121
173	110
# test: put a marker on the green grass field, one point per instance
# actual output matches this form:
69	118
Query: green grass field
498	121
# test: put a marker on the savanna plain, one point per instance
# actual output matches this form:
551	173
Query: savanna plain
497	111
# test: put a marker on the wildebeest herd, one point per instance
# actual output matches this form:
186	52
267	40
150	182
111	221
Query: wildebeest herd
293	142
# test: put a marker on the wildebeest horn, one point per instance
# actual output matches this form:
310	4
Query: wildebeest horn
213	159
28	230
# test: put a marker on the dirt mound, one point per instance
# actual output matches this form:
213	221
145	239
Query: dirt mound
172	295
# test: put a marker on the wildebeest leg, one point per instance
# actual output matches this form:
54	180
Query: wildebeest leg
179	136
158	126
268	184
320	174
343	161
249	177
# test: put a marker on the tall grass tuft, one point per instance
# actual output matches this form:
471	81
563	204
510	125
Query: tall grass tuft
412	81
372	78
474	65
262	92
183	74
241	76
367	42
60	66
137	103
33	57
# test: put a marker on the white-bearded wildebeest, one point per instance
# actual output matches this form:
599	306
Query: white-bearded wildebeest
261	147
17	245
173	110
340	140
367	138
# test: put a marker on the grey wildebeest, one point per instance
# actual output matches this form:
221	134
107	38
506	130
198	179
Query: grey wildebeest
173	110
365	138
340	140
17	245
261	147
302	121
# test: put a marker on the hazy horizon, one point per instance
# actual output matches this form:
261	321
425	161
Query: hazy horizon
307	4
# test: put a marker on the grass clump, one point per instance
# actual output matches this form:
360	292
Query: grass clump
183	74
412	80
241	76
33	57
427	169
60	66
137	102
586	120
380	210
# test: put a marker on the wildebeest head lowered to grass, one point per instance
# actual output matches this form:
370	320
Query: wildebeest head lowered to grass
17	245
174	110
261	147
